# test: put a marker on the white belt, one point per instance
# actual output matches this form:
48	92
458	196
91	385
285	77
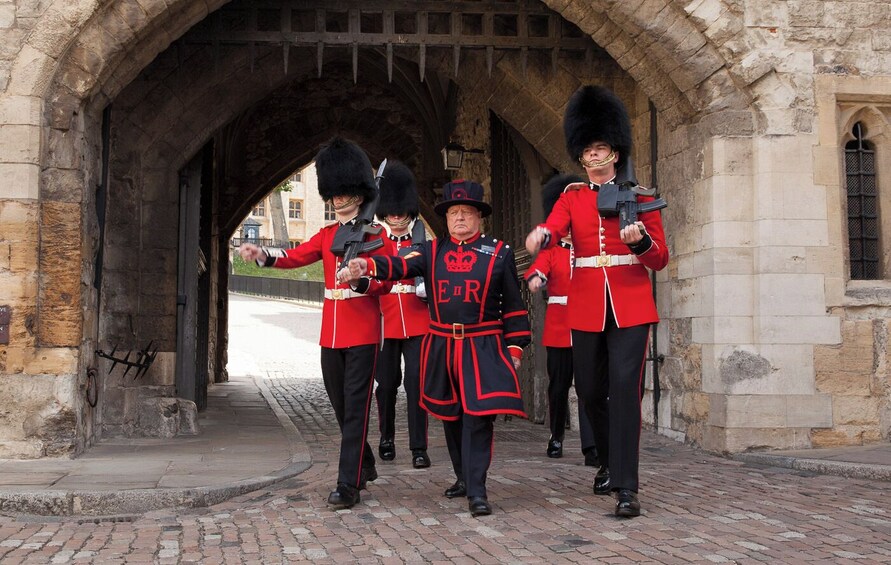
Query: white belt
400	288
557	300
607	260
342	294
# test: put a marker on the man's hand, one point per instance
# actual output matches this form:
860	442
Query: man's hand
535	239
351	272
250	252
517	363
632	233
535	283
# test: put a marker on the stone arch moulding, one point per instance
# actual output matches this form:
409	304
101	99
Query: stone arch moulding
663	48
874	120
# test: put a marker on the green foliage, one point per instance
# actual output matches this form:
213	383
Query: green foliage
312	272
285	186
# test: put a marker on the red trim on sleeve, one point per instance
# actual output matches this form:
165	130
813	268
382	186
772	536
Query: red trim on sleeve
515	351
514	314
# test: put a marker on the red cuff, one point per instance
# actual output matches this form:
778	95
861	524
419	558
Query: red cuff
515	351
371	268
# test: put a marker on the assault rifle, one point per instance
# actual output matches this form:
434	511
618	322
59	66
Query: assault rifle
621	200
349	241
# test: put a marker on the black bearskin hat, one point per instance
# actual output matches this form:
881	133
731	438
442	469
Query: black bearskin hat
343	169
399	193
594	114
551	190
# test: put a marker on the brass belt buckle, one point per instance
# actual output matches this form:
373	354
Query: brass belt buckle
455	329
399	288
337	294
602	261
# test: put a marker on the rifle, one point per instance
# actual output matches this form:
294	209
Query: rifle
621	200
418	236
349	241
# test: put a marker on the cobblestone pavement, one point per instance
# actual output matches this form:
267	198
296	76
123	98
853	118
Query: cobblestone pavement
697	507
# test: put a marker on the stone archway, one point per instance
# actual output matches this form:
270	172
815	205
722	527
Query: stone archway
702	65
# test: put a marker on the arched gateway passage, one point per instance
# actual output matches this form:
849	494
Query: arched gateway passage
165	122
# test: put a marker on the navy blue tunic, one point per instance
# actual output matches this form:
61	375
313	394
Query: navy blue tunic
477	315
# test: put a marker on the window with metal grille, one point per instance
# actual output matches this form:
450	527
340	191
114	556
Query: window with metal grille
863	207
295	209
330	216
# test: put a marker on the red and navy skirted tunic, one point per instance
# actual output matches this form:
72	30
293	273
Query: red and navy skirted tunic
478	321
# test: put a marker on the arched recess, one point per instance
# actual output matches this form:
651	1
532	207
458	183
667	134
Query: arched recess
877	132
89	60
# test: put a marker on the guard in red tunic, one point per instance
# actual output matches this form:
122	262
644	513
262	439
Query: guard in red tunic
406	319
351	318
479	326
552	270
610	302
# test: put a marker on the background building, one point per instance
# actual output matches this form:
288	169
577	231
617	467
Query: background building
136	136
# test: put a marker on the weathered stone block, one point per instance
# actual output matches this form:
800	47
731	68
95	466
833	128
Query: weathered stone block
188	417
59	317
21	180
158	417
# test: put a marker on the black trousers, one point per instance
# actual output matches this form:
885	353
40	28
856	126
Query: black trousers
470	440
389	376
348	374
559	381
609	367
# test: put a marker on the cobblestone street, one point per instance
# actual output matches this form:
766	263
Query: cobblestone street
698	507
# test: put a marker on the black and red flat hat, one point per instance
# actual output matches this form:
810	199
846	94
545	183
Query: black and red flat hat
461	191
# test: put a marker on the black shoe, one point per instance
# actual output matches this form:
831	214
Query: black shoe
369	475
387	450
419	459
601	481
627	505
479	506
345	496
456	490
555	448
591	457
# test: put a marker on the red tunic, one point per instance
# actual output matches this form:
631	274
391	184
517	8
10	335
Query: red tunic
405	315
345	323
555	263
628	286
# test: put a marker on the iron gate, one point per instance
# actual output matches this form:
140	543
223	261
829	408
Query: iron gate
511	221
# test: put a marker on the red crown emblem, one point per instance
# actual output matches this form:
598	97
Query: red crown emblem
460	261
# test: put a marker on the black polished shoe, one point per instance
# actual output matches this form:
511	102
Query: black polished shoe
479	506
555	448
387	450
456	490
627	505
369	475
345	496
601	481
419	459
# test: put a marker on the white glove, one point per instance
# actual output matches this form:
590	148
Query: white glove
421	291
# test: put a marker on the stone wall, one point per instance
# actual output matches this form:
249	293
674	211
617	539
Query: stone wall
754	99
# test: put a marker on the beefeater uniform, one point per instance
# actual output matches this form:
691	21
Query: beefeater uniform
478	322
610	299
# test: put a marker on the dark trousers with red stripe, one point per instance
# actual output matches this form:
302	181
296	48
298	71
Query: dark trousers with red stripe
348	374
560	371
470	439
389	377
609	368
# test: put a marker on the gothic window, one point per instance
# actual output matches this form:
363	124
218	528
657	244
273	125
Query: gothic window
863	207
260	209
295	209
